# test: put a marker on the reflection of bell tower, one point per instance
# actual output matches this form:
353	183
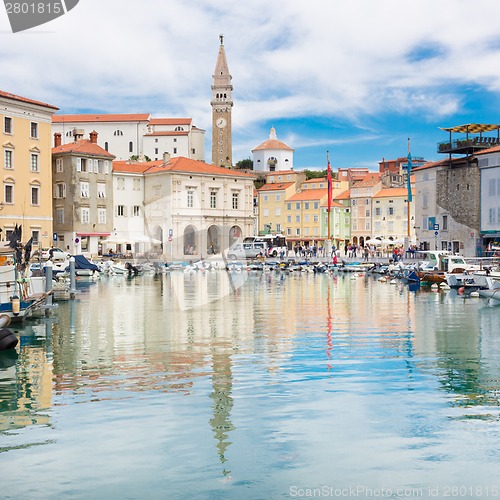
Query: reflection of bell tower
222	403
222	102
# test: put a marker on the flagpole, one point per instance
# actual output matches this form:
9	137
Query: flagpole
409	191
329	182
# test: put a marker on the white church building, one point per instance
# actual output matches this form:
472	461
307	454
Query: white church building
272	155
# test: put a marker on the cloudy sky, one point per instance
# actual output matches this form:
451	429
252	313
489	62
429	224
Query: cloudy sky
354	78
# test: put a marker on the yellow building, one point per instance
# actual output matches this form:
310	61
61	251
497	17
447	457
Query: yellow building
27	172
303	216
272	198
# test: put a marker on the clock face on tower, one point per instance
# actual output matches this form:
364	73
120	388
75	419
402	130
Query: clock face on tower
221	122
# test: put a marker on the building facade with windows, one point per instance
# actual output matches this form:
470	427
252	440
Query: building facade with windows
26	168
272	206
136	135
362	193
340	219
303	216
195	209
82	194
390	215
489	167
130	232
447	206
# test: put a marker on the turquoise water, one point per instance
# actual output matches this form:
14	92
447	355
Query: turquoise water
253	386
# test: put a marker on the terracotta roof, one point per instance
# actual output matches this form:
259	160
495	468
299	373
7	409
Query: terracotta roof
182	164
171	132
344	195
368	180
432	164
392	193
276	186
308	194
318	179
281	172
272	144
134	167
14	97
494	149
83	146
170	121
334	204
144	117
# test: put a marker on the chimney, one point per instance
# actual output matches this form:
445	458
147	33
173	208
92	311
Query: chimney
77	134
93	137
166	158
57	139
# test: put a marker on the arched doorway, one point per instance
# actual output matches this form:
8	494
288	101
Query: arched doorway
158	235
190	243
213	240
235	233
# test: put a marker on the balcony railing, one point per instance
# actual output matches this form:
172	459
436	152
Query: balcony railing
467	146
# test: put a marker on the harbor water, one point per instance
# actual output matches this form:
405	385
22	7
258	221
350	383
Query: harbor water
253	385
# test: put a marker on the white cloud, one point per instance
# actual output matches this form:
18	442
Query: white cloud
289	59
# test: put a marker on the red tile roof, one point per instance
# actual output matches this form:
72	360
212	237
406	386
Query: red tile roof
494	149
273	144
316	179
82	146
182	164
14	97
308	194
134	167
392	193
171	132
276	186
431	164
170	121
367	180
344	195
143	117
281	172
334	204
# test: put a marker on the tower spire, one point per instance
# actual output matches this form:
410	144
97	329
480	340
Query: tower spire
222	102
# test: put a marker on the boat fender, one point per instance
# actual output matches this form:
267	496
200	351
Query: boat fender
461	290
7	339
5	332
16	305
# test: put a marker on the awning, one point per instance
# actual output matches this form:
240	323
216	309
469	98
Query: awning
472	128
492	235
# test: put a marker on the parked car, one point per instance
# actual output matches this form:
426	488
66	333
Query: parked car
53	254
246	250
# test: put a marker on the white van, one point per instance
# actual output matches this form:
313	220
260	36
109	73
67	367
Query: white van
246	250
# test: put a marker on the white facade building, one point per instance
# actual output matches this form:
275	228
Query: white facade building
130	233
489	166
127	135
180	208
272	155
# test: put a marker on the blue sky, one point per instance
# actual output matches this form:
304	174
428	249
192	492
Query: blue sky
356	79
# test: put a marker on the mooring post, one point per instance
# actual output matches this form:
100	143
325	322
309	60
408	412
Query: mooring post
72	280
48	286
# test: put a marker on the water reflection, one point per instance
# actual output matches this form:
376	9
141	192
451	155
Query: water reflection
249	376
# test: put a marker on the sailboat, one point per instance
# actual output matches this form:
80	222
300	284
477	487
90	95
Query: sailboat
19	294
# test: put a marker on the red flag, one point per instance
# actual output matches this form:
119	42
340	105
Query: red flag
329	178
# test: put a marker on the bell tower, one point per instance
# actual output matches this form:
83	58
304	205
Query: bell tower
222	102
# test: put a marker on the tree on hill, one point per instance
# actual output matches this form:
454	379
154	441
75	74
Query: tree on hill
246	164
314	174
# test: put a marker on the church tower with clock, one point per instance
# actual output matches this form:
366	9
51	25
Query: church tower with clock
222	102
